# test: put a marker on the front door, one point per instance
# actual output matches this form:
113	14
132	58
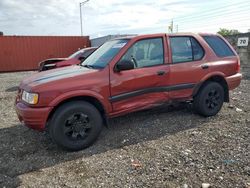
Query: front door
144	85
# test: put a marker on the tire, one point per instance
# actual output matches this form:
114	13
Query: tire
209	99
75	125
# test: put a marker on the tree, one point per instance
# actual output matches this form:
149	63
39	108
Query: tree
225	32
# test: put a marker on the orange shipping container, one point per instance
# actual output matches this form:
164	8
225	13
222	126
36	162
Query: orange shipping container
19	53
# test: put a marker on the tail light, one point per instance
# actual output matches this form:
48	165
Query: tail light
238	65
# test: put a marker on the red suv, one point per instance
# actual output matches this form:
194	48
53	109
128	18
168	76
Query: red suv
74	59
126	75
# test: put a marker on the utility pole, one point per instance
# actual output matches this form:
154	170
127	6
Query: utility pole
82	3
171	26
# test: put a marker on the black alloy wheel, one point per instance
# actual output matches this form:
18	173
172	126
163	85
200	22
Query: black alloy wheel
209	99
213	99
75	125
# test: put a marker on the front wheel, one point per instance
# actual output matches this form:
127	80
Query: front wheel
209	99
75	125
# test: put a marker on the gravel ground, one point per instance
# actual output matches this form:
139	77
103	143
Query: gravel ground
163	147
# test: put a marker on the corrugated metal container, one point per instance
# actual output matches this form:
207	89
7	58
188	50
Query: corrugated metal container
18	53
96	42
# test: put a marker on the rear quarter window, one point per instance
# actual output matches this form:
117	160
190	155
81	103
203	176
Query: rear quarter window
219	46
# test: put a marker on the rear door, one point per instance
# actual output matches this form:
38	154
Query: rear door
143	85
188	65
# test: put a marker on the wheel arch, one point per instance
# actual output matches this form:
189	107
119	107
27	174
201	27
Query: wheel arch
219	78
91	99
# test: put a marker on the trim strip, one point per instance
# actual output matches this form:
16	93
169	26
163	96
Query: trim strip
150	90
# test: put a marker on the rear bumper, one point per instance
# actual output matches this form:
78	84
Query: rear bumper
234	81
34	118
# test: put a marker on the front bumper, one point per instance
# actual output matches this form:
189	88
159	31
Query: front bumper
234	81
34	118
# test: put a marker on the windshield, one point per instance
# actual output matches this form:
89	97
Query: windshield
75	55
104	54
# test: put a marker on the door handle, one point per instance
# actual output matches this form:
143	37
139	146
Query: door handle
160	73
204	66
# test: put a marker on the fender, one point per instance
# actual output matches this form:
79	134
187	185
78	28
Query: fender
211	74
82	93
205	78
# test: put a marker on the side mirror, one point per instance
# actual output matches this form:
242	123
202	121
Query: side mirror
124	65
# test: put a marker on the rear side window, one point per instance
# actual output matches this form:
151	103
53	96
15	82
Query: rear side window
198	51
220	48
185	49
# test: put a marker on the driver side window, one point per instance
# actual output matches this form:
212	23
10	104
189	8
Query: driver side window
145	53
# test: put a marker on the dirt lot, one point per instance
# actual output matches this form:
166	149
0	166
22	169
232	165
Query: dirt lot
162	147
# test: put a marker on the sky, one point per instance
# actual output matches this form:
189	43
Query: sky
105	17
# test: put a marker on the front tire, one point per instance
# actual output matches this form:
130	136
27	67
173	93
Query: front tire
209	99
75	125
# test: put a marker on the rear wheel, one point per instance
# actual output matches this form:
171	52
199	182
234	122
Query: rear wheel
75	125
209	99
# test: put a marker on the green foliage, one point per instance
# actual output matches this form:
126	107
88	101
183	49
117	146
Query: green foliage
225	32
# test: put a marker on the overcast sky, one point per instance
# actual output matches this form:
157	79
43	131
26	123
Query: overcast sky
103	17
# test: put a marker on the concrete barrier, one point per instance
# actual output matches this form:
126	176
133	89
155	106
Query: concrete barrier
243	51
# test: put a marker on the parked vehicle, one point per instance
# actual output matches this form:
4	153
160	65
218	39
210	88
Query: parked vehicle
74	59
126	75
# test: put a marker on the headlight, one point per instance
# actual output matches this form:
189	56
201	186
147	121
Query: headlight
31	98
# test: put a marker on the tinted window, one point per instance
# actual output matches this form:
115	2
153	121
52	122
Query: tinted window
86	53
185	49
145	53
81	53
219	46
198	51
75	55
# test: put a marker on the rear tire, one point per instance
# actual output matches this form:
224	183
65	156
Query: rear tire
75	125
209	99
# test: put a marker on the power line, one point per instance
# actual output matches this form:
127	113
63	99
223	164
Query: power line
202	28
217	17
239	20
222	13
205	30
214	10
213	19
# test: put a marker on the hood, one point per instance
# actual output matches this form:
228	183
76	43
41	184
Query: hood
55	59
55	74
51	60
